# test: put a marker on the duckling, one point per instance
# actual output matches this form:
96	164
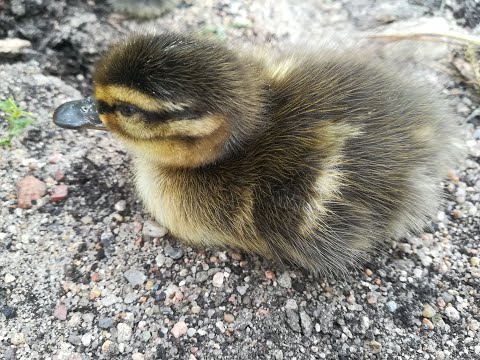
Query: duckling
308	158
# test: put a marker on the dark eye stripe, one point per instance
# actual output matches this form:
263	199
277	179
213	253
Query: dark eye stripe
103	107
151	117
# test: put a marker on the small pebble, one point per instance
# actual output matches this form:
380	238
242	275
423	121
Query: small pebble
179	329
217	280
135	277
391	306
120	206
452	313
368	272
447	297
441	303
428	324
149	285
473	325
284	280
291	304
28	190
109	300
306	323
106	346
173	252
86	220
86	339
160	260
372	298
405	248
9	354
228	318
61	312
293	320
95	277
457	214
191	332
236	256
153	229
9	312
129	298
270	275
196	309
475	261
138	356
105	323
124	332
146	335
428	311
374	346
55	158
9	278
60	192
17	339
242	289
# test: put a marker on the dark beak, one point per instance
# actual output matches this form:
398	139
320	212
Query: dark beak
79	114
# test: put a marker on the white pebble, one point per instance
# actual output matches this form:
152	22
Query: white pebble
124	332
9	278
153	229
218	279
179	329
86	339
135	277
120	206
138	356
452	313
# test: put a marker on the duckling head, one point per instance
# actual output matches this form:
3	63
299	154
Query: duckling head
177	101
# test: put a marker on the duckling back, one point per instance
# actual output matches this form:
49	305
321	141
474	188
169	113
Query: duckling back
338	152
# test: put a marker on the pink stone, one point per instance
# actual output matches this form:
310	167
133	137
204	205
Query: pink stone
54	158
60	193
269	275
60	312
218	279
28	189
179	329
59	175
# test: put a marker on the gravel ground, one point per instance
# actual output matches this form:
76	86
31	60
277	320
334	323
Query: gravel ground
84	273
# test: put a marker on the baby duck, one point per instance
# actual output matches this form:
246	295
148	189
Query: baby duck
311	159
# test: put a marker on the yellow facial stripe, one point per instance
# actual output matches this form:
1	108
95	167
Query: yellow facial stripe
117	93
198	127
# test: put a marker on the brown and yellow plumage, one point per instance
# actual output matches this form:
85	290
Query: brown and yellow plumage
310	159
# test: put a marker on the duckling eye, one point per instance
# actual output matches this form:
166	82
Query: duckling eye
126	110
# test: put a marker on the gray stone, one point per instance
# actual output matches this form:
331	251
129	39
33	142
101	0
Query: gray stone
201	276
306	323
291	304
130	298
242	289
135	277
284	280
74	339
174	252
293	320
391	306
105	323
